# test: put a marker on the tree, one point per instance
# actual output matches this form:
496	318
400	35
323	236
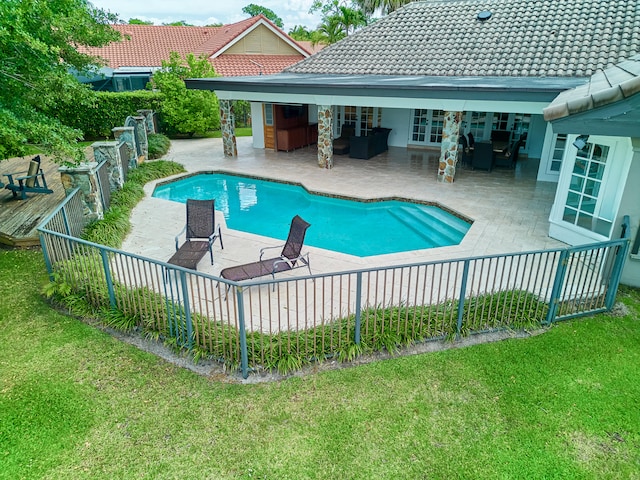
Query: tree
339	19
300	33
179	23
369	7
186	111
38	49
137	21
254	10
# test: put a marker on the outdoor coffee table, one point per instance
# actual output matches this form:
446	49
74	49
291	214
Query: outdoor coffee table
189	254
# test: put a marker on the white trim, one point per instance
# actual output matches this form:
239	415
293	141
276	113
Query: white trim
451	105
276	31
616	169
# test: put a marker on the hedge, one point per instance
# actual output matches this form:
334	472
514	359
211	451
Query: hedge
106	111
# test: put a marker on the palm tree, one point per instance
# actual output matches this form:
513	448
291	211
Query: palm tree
330	31
384	6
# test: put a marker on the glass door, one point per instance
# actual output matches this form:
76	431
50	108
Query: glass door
419	127
437	124
363	119
558	148
583	204
426	127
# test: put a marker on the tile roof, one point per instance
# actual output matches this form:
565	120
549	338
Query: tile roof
239	65
565	38
149	45
605	87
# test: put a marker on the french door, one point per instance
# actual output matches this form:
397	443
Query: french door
426	127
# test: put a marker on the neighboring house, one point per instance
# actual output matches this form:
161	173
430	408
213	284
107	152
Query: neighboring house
254	46
435	69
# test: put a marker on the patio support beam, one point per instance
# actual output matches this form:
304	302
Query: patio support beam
228	128
325	136
449	147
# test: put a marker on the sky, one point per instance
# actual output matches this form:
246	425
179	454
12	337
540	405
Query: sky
205	12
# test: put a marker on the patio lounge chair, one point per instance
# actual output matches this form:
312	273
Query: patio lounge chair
200	225
31	181
289	259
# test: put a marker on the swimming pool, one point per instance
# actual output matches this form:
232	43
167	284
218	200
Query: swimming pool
357	228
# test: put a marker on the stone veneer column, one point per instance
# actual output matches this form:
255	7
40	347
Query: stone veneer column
84	177
148	116
109	151
126	135
449	147
325	136
228	128
141	135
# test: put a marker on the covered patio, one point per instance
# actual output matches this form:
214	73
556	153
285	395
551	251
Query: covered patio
509	208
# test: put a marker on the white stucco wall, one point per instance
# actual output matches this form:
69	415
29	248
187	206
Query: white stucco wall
398	120
257	125
535	138
630	205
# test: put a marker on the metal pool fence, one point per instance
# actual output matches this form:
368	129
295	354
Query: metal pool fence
285	322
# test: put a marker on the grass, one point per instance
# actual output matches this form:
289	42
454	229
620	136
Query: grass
77	403
239	131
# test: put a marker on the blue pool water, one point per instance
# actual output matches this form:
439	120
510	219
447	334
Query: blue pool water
348	226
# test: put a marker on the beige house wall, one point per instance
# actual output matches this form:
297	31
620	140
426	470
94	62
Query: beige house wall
262	41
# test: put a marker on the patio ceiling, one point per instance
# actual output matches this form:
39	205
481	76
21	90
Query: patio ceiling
505	94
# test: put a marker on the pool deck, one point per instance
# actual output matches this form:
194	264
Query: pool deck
509	208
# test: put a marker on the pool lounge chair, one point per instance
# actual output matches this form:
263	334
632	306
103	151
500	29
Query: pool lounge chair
289	259
200	231
31	181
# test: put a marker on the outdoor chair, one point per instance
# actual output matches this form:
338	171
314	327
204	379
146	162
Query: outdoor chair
31	181
482	156
200	233
289	259
342	144
509	157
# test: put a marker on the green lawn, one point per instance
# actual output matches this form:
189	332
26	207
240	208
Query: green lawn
77	403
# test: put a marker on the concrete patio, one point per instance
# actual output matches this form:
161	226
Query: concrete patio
509	208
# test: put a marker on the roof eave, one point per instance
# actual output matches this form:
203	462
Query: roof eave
487	88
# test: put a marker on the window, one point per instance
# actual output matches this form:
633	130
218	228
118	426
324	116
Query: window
557	152
268	114
583	198
500	121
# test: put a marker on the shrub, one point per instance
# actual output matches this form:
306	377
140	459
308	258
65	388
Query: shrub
186	111
115	225
102	111
158	145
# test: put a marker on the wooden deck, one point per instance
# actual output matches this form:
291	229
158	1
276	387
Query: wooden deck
19	218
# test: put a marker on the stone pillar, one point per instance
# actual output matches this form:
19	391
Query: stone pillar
228	128
449	147
126	135
149	117
109	151
84	177
325	137
141	137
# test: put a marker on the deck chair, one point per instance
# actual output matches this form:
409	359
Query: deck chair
200	233
289	259
31	181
